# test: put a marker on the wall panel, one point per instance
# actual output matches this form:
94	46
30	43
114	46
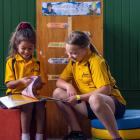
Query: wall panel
11	13
122	47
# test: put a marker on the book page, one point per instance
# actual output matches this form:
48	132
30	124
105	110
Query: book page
28	91
15	100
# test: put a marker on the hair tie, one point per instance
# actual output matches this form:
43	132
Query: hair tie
24	26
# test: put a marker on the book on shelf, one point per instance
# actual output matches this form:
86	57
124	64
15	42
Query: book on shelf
28	95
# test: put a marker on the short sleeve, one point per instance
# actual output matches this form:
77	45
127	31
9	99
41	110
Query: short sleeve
67	72
9	74
100	73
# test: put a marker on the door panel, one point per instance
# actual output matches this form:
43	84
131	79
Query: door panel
56	125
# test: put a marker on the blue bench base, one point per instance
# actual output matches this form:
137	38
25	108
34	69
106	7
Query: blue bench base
128	126
125	134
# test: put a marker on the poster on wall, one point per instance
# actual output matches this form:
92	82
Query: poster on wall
71	8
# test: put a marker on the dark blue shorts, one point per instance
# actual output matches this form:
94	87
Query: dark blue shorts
119	110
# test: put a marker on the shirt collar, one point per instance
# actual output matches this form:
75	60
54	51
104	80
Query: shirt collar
20	58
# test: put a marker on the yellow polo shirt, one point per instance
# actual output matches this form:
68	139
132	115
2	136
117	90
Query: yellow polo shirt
91	74
22	69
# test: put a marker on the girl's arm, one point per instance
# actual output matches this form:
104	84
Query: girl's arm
15	83
71	91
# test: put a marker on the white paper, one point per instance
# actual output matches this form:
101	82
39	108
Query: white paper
28	91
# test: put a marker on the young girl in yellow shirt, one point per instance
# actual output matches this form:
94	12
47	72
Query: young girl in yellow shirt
20	67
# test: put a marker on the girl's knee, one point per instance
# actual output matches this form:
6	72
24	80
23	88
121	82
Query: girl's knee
97	98
96	102
59	93
56	92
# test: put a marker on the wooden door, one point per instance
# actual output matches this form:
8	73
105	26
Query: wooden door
56	125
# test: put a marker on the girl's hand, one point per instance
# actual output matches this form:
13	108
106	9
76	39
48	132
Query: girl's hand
26	80
72	100
71	90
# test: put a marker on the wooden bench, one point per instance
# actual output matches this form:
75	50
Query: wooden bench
10	127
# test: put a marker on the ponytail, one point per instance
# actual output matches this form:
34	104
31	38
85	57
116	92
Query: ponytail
93	48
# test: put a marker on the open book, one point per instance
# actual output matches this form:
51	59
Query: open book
28	95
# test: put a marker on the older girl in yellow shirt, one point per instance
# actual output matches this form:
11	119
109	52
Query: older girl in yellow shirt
93	88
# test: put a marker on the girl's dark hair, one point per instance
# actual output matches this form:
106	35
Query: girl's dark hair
23	32
80	39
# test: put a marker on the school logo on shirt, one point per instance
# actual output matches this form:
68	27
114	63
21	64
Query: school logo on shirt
86	75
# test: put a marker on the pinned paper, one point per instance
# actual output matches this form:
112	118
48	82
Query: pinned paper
53	77
57	25
57	44
58	60
71	8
